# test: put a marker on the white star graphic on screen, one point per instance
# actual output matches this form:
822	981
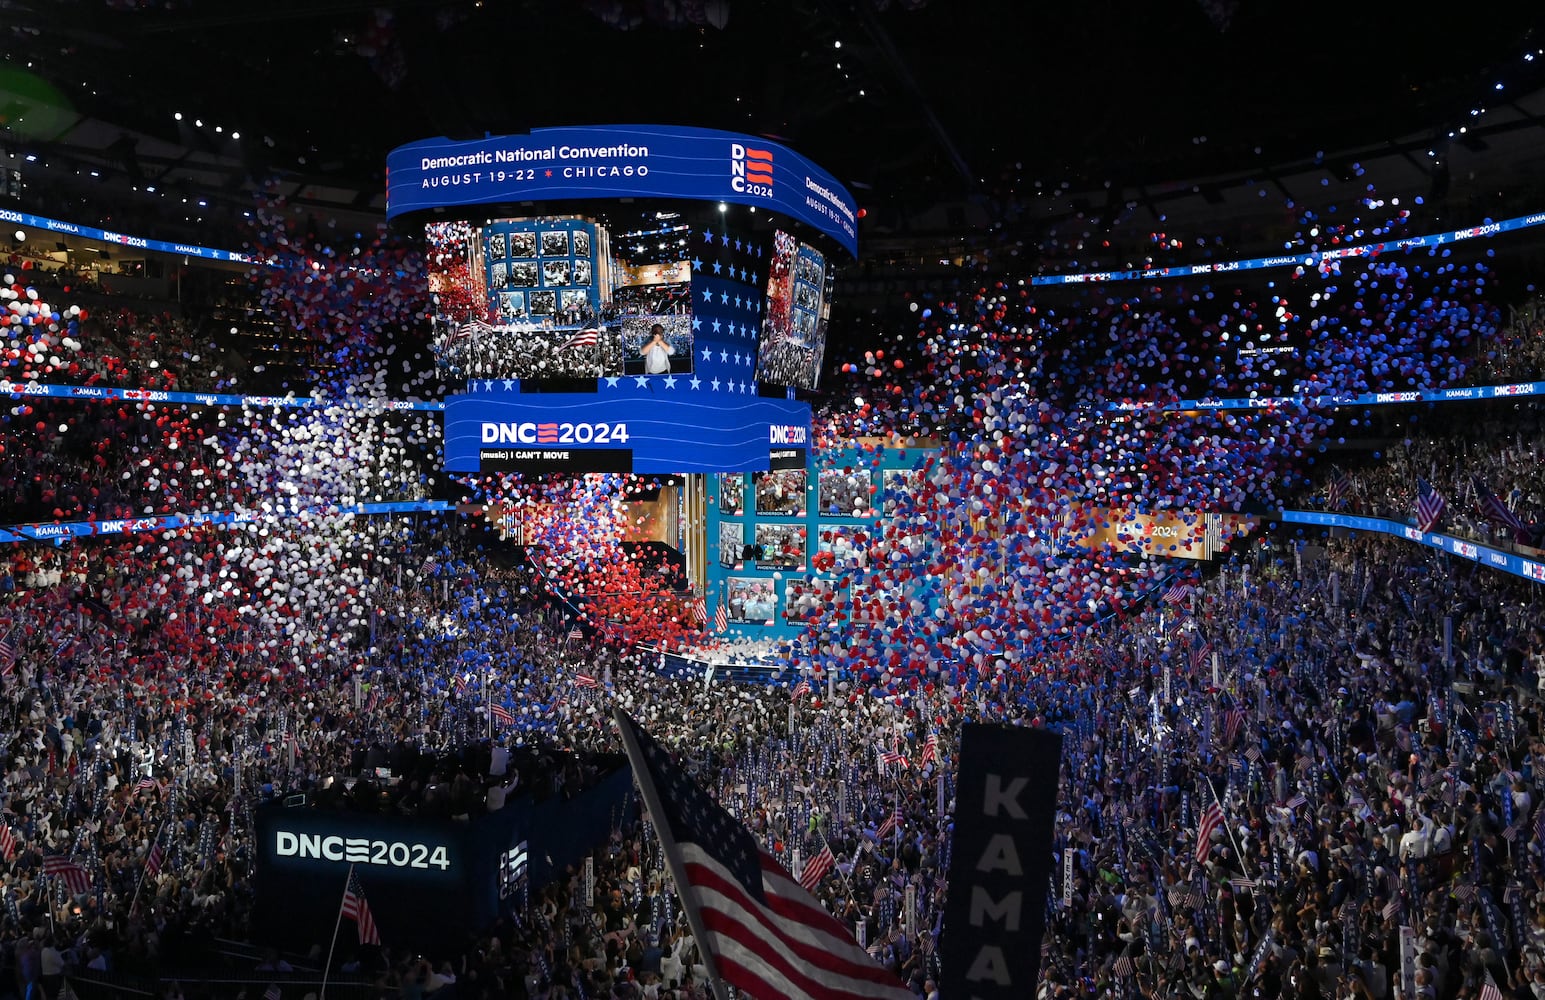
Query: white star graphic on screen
714	385
612	380
670	381
707	354
641	380
724	355
696	383
509	384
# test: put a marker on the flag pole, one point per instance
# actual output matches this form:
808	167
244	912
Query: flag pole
333	944
678	872
1227	829
145	872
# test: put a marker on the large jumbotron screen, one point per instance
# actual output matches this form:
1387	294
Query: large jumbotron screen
625	298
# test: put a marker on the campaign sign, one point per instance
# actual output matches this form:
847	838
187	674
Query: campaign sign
620	161
1000	862
553	432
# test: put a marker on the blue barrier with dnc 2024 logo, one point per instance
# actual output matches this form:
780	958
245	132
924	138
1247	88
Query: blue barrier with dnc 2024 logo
620	161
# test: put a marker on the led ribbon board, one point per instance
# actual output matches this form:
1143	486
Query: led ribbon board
620	161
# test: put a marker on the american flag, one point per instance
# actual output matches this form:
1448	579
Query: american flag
1495	510
1199	654
1212	819
74	875
700	611
461	684
1296	801
1539	824
1464	892
273	992
1430	506
1124	967
7	655
1252	753
1242	884
801	689
1340	489
761	931
584	338
576	634
930	748
584	681
502	714
721	618
1489	989
1391	908
154	859
816	869
357	910
889	826
146	784
1232	720
7	843
894	757
1178	593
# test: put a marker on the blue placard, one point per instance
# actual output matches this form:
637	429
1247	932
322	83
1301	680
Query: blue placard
505	432
620	161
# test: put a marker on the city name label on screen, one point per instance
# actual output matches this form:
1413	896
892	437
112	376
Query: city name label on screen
621	161
492	432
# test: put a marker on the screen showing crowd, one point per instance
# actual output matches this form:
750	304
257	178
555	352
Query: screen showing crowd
561	297
799	292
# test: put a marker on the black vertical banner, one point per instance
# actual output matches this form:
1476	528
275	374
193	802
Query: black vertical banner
1000	861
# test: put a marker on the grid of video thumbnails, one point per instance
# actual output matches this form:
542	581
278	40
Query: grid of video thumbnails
561	297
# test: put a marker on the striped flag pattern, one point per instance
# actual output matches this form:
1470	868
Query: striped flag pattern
762	932
817	868
7	654
74	875
358	910
584	681
1212	819
1430	506
584	338
7	843
501	714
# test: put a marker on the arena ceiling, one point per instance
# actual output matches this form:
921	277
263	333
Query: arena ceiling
907	101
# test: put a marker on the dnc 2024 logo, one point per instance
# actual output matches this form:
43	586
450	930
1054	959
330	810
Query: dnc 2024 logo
751	170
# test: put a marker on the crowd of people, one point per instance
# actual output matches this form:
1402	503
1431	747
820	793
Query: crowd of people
1366	713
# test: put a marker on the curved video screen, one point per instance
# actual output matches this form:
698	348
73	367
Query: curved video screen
799	297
